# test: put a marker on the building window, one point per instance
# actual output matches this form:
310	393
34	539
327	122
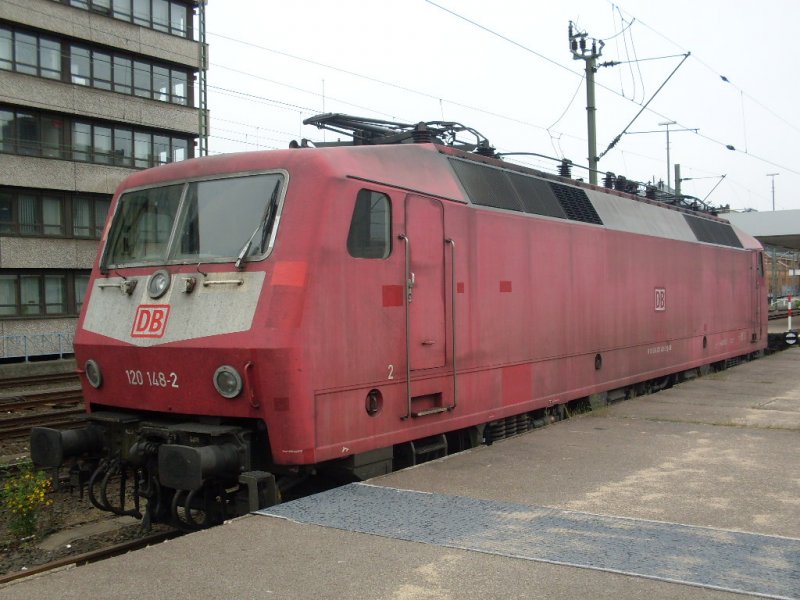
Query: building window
8	295
161	151
127	76
123	75
40	293
52	132
161	15
7	220
123	147
370	226
169	16
30	294
30	53
102	145
89	216
25	54
43	134
81	141
101	70
141	13
6	49
122	9
142	149
101	6
142	79
28	134
39	213
50	58
7	136
80	65
81	284
161	84
180	87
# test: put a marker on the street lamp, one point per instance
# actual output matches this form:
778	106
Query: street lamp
773	175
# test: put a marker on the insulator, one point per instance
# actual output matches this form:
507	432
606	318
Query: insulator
650	192
485	149
565	168
583	44
608	180
421	134
620	183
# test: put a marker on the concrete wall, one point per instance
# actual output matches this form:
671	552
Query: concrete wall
52	253
55	174
83	101
42	336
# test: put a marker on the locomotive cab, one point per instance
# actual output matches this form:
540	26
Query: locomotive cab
171	282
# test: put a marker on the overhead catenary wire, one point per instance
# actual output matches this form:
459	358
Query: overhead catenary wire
436	98
628	27
711	69
624	131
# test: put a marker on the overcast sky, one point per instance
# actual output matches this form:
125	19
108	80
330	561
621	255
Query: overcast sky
504	68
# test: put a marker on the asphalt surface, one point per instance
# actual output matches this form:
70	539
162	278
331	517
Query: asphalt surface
701	479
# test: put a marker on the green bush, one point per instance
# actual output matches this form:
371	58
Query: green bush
23	498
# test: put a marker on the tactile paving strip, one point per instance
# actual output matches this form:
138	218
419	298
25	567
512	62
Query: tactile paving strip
715	558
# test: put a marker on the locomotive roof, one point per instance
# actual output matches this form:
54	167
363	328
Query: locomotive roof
468	178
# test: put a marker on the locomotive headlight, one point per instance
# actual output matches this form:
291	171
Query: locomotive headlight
227	381
158	284
93	374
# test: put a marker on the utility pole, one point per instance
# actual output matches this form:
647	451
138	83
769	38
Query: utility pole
202	82
589	54
773	175
668	123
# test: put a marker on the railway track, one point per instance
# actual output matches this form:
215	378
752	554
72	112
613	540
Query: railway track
17	427
51	399
94	555
58	408
12	382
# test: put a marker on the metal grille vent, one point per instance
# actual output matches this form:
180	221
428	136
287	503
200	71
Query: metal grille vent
576	203
486	186
713	232
509	190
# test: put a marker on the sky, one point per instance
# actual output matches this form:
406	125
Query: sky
505	69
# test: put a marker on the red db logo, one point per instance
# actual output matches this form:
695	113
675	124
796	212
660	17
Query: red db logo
150	321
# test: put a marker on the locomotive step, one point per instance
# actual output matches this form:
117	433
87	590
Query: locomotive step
429	446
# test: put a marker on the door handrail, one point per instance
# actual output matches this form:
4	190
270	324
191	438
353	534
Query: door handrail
454	288
407	302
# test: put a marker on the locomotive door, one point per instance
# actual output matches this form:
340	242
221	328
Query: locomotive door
758	299
425	249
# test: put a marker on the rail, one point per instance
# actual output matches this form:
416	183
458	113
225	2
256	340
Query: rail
28	346
19	427
94	555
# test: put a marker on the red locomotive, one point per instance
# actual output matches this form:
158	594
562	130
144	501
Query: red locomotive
256	318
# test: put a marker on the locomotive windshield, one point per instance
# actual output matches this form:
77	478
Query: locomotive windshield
197	221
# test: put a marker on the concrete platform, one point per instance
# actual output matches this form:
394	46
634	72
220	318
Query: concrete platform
697	489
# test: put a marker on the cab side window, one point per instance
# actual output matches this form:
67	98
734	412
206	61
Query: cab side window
371	226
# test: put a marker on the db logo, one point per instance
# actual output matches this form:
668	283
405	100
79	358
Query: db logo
150	321
661	299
